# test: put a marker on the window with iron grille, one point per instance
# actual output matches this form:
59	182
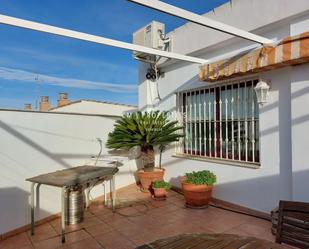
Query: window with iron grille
220	122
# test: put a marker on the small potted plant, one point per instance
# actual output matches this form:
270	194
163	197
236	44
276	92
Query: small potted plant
197	188
160	189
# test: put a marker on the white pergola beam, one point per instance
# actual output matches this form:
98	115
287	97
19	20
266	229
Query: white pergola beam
202	20
12	21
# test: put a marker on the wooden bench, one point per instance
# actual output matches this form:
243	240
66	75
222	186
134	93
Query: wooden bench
293	224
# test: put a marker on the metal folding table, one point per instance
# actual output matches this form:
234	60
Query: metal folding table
64	179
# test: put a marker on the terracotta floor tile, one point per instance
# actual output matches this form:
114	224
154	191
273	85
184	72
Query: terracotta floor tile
131	230
142	207
139	220
99	229
26	247
170	208
42	232
158	204
91	221
19	240
88	214
128	211
219	226
237	231
226	221
142	237
253	229
114	240
56	241
99	210
110	217
117	223
89	243
48	244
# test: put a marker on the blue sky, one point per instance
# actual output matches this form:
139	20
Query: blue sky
84	70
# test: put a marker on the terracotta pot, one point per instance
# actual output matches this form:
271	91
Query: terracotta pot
159	192
147	178
197	196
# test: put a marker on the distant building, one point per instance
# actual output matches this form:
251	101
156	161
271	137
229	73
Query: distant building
44	104
83	106
27	107
63	100
95	107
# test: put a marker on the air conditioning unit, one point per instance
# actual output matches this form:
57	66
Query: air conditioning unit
149	36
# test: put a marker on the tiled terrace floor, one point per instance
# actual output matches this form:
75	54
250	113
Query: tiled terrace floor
140	220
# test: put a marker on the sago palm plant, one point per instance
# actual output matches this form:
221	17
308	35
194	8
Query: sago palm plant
146	130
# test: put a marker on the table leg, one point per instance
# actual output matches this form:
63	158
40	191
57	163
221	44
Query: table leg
32	207
87	190
105	197
63	191
113	194
37	198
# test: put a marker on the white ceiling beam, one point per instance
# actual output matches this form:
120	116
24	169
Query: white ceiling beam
202	20
12	21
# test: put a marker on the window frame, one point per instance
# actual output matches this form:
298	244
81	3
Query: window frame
254	150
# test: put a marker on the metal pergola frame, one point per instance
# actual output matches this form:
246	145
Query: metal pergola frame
17	22
154	4
202	20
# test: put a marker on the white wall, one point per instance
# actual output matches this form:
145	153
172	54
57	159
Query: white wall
253	15
282	151
33	143
95	107
259	189
300	132
300	121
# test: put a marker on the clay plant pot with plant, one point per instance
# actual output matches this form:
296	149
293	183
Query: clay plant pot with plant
197	188
160	189
146	130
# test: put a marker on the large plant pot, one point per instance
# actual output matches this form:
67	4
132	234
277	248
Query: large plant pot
148	177
196	196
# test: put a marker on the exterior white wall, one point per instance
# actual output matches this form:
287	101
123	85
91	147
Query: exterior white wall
283	156
300	121
33	143
259	189
244	14
300	134
93	107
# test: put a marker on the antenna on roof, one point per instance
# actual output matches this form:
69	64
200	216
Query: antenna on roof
36	79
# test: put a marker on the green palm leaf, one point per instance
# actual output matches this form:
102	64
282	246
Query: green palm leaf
144	129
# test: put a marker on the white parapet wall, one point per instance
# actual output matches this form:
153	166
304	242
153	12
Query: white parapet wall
33	143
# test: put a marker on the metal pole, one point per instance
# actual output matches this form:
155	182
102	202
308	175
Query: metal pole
32	208
114	193
87	190
17	22
37	197
105	197
202	20
63	191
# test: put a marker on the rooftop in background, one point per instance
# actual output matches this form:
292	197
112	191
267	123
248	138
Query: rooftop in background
96	101
88	106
